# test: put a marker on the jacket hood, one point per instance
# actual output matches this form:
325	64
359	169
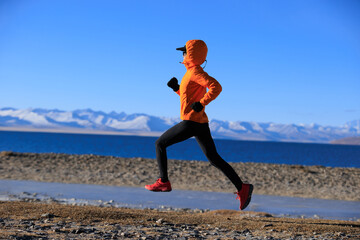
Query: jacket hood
196	51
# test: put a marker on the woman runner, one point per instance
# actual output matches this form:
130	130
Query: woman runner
195	123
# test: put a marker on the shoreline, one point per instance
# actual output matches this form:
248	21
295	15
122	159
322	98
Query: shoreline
268	179
80	131
150	134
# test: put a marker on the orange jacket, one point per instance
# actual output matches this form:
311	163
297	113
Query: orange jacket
194	83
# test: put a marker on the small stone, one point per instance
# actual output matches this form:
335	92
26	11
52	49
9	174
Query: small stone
268	225
60	223
47	215
37	227
160	221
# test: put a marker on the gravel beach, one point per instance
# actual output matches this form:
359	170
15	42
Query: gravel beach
26	220
40	219
270	179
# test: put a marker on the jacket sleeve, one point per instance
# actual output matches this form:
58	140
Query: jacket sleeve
209	82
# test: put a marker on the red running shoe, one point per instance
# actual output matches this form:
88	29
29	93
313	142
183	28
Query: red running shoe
244	195
159	186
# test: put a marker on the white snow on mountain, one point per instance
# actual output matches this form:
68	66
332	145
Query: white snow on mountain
122	122
139	123
25	115
355	125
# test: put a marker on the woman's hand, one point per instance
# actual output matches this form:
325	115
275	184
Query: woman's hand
197	106
173	83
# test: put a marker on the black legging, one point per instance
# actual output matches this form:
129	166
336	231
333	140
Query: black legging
201	131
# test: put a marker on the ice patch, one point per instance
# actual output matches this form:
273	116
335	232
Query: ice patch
141	198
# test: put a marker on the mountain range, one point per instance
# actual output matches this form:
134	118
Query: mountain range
87	119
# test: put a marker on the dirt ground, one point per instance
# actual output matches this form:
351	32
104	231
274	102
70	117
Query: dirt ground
45	217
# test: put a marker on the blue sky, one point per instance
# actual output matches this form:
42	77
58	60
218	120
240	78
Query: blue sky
277	61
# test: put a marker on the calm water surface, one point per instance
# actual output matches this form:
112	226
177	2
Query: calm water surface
135	146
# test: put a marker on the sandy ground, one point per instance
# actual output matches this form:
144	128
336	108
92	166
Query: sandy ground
23	220
270	179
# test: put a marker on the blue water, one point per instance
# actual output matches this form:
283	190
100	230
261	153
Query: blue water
134	146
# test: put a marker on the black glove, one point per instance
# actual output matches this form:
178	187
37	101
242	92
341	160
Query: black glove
197	106
173	83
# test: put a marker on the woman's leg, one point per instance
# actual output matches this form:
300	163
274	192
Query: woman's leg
206	142
177	133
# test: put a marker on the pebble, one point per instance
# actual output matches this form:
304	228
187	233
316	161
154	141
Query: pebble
160	221
268	225
47	215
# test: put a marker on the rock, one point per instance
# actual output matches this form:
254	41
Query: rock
60	223
6	154
48	215
80	230
340	234
36	227
160	221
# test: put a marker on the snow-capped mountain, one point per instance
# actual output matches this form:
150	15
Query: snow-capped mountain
136	123
85	119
